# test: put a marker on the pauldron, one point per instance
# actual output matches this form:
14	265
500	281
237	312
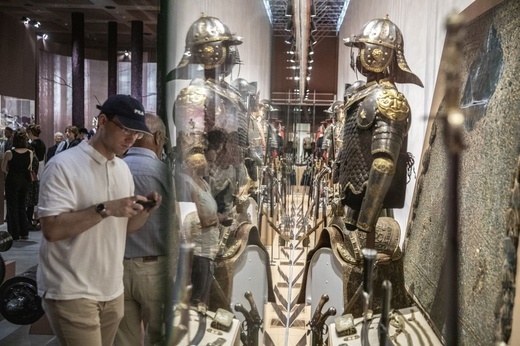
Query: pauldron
392	104
385	101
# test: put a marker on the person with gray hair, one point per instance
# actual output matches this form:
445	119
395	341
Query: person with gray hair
150	253
58	138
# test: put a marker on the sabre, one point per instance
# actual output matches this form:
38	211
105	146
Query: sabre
182	293
369	256
275	228
384	320
317	187
309	232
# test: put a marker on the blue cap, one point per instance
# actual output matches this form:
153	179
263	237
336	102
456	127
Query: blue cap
129	111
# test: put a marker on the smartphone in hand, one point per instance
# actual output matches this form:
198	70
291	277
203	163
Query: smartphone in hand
148	204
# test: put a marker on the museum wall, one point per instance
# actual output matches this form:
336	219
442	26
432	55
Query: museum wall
423	29
17	59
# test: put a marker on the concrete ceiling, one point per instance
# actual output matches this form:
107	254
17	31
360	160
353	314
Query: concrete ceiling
300	22
55	19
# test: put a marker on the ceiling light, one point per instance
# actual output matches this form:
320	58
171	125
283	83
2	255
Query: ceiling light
35	23
26	20
127	53
313	26
45	36
289	11
289	25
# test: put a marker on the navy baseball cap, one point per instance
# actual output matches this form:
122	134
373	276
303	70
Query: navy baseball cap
129	111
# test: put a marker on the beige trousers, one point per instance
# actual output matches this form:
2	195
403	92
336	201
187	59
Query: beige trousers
84	322
147	283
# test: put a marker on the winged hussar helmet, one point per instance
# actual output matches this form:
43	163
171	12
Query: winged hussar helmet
381	43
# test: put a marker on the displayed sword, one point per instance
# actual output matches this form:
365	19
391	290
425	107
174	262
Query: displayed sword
317	187
182	293
275	228
253	322
384	320
317	325
260	207
369	256
309	232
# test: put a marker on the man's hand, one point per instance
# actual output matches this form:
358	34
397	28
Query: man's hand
140	213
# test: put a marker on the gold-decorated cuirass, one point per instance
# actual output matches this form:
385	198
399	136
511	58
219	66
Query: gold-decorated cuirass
375	124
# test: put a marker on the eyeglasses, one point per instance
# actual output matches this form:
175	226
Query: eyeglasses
126	131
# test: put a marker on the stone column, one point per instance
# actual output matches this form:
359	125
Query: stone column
78	69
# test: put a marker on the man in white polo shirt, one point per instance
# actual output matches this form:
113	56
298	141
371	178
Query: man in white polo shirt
86	207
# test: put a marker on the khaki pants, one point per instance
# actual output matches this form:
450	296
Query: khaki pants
147	281
84	322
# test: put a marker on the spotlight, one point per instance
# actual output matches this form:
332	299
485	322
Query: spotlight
312	40
310	59
311	51
25	20
127	53
35	23
289	11
290	39
289	25
313	26
45	36
313	10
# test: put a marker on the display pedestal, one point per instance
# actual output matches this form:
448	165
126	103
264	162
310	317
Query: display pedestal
407	327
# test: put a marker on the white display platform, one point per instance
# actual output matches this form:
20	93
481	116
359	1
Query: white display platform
416	331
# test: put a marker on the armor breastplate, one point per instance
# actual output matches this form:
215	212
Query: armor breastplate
376	122
206	106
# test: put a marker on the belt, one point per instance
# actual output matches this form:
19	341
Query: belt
144	258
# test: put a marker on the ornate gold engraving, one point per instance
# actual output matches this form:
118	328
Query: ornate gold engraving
384	165
393	105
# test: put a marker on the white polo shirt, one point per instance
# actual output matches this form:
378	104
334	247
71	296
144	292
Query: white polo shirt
89	265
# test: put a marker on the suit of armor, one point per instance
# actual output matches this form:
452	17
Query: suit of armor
376	122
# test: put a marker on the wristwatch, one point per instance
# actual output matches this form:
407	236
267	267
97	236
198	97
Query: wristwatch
101	210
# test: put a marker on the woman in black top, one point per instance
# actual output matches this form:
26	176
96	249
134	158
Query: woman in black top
17	182
38	147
